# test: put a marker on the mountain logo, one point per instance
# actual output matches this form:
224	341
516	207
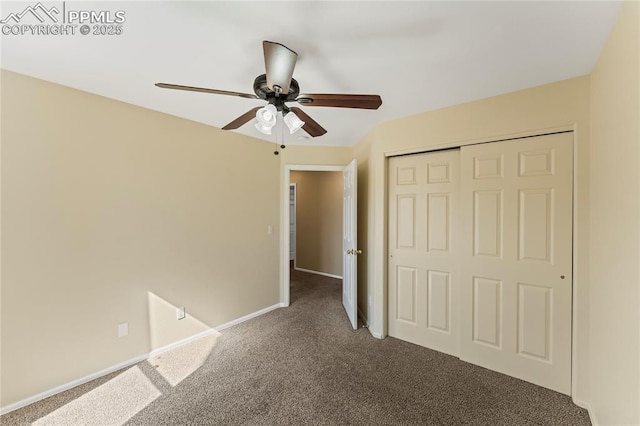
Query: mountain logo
38	11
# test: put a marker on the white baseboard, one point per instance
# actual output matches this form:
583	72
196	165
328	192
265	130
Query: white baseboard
374	334
72	384
248	317
133	361
317	273
586	406
182	342
366	321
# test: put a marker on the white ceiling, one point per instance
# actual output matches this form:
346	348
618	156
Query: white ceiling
418	56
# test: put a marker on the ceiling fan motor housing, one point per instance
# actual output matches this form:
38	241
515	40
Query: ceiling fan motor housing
264	92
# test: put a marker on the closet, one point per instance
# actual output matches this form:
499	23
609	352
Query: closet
480	255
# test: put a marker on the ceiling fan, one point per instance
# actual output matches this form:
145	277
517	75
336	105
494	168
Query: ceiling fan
277	87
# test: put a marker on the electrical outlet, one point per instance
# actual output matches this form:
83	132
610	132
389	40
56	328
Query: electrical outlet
270	229
123	329
180	313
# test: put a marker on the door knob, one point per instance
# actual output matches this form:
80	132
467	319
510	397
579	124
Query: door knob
357	251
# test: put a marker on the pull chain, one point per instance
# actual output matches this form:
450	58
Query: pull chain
282	145
276	152
282	132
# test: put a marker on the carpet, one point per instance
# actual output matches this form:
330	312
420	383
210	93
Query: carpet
303	365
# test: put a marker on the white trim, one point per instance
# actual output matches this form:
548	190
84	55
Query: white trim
586	406
285	296
317	273
133	361
376	335
182	342
460	143
378	272
249	316
575	306
72	384
212	330
312	168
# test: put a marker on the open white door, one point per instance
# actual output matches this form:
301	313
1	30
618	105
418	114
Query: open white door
349	240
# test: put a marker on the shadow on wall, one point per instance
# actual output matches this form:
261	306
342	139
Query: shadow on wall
132	389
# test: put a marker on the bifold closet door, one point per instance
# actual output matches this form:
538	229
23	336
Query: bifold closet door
423	250
516	276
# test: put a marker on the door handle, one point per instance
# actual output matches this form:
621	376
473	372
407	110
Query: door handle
357	251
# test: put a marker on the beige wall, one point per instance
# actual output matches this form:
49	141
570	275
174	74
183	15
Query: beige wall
563	105
316	155
615	225
319	221
114	213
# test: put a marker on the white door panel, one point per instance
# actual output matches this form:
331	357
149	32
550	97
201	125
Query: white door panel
480	255
423	253
349	243
516	275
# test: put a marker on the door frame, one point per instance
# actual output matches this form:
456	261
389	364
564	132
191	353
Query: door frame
380	284
293	186
284	226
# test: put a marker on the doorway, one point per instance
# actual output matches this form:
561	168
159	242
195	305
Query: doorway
286	225
347	250
318	222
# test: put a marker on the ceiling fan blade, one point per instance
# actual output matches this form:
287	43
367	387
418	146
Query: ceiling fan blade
310	125
279	62
205	90
244	118
341	101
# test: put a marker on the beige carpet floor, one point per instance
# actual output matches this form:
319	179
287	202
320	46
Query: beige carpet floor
303	365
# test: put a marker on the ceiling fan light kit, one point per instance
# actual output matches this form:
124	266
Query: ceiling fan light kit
292	121
277	87
263	129
266	117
